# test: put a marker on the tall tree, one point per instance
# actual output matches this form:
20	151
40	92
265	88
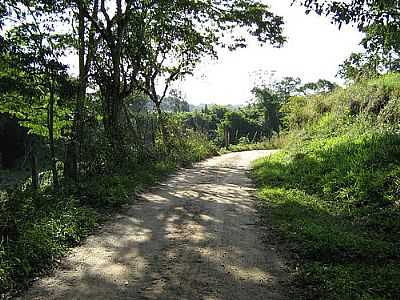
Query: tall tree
269	102
173	36
34	56
86	45
360	66
318	87
109	72
285	87
382	42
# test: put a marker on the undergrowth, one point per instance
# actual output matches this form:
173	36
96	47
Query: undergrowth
37	228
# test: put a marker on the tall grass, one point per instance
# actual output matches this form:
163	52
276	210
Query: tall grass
334	192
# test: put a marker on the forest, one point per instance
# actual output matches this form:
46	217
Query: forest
79	142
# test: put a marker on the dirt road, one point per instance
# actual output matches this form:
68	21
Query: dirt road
193	237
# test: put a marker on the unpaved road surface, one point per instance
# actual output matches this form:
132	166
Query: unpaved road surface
193	237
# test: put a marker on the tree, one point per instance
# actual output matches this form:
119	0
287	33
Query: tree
382	42
378	19
285	87
173	36
270	95
363	13
237	125
86	45
269	102
175	102
126	46
108	35
318	87
198	121
360	66
33	57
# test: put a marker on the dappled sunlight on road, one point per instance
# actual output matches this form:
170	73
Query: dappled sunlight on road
193	237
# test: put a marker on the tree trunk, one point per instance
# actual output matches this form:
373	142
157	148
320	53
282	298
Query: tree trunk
71	160
267	125
73	151
50	125
116	121
80	103
114	100
226	136
163	127
74	148
33	161
114	125
254	137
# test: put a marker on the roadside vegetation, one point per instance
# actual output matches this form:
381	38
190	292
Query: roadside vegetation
75	147
334	191
39	226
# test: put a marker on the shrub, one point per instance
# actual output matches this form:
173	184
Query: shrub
44	229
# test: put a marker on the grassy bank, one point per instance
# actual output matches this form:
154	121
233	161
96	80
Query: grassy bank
38	228
334	192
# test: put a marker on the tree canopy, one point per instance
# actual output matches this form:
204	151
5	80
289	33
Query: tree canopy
378	19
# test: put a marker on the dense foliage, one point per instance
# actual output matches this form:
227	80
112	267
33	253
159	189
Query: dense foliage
379	20
334	191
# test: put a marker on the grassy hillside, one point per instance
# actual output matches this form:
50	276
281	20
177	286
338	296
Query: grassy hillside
334	192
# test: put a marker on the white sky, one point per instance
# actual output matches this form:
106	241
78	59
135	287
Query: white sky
314	50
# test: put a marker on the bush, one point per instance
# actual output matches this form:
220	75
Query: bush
42	228
189	148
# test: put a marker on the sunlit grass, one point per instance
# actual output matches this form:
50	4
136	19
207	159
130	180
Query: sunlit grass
333	193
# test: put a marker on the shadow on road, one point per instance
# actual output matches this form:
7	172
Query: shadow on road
193	237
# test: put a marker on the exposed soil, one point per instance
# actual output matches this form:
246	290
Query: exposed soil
192	237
